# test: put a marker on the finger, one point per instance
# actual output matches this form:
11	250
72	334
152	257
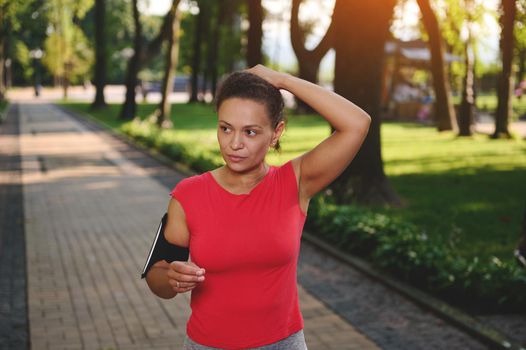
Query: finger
182	285
184	277
188	268
180	288
191	263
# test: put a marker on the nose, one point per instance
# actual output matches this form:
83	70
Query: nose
236	142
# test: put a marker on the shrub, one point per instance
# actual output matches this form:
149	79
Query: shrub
150	135
405	251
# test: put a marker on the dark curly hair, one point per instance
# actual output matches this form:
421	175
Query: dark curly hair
250	86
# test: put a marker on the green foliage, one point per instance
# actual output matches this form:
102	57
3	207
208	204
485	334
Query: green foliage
520	25
456	18
10	11
70	58
29	37
407	252
230	42
67	51
163	140
22	55
119	29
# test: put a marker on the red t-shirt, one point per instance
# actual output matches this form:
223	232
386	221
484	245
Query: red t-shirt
249	246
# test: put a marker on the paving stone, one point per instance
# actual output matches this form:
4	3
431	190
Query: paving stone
13	297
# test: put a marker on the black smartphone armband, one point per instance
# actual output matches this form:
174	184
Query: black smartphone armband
161	249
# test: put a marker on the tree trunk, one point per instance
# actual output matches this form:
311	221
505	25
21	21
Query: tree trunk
444	110
522	67
130	106
154	46
231	31
65	80
308	60
505	81
196	58
100	54
162	114
2	62
467	105
225	12
209	12
360	31
255	33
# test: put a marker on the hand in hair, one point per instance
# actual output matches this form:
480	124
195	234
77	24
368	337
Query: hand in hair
273	77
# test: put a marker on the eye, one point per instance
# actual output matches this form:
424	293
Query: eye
224	129
251	132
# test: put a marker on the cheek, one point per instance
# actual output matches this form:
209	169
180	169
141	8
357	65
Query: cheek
222	139
260	145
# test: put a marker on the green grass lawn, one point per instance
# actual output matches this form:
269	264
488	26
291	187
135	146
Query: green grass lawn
468	192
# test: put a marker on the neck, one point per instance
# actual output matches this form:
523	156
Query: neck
248	177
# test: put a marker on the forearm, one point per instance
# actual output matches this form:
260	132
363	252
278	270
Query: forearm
157	280
342	114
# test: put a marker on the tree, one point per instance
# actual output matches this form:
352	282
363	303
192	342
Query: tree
68	55
255	33
444	110
129	106
213	28
10	11
162	115
231	53
471	13
141	56
467	104
520	39
225	11
100	54
505	81
199	27
360	31
308	60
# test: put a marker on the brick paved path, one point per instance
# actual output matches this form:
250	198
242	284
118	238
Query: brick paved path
90	215
13	305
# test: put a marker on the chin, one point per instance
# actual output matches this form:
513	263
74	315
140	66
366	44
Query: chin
241	167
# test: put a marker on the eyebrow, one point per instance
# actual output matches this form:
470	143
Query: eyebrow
246	126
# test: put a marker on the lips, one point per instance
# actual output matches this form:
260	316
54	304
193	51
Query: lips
235	158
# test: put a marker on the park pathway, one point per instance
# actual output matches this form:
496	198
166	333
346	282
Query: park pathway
90	211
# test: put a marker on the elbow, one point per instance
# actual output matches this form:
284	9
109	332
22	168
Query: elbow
367	119
163	293
365	123
166	296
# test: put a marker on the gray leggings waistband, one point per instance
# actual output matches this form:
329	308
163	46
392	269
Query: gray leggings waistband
294	341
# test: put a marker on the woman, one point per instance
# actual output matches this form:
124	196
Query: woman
243	221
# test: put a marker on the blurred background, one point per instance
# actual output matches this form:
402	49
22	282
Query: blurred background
435	198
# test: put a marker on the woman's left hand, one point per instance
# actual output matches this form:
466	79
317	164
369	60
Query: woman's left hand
273	77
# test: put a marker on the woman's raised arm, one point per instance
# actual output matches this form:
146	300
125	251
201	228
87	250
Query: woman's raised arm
318	167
